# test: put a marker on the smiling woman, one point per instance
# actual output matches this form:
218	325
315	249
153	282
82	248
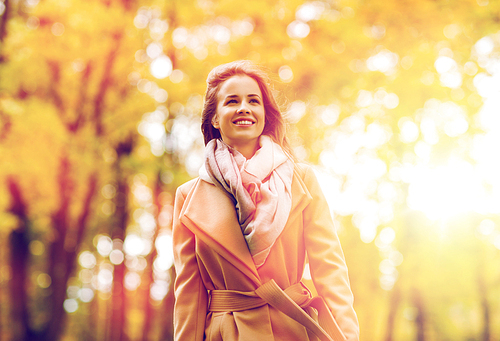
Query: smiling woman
243	229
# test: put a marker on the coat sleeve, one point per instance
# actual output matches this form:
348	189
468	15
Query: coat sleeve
326	260
191	297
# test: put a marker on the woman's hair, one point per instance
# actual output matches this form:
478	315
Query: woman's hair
274	124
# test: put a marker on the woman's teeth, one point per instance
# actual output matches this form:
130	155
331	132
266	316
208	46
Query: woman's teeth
243	122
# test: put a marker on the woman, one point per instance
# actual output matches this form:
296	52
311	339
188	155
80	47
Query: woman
242	230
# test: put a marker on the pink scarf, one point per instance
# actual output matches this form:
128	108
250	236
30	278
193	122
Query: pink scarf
260	188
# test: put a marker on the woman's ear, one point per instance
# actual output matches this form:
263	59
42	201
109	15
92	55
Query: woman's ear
215	122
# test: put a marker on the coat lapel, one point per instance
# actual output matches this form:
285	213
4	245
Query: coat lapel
209	213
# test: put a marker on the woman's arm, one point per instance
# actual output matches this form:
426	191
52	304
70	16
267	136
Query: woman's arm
190	294
326	260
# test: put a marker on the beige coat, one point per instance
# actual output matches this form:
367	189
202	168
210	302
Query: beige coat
210	253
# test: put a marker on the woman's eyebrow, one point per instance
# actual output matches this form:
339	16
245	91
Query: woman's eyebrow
236	96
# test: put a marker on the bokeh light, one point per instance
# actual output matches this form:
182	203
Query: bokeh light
161	66
70	305
104	245
87	259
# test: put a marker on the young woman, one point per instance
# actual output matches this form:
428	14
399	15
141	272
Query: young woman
242	230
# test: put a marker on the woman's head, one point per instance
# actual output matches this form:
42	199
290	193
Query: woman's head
274	125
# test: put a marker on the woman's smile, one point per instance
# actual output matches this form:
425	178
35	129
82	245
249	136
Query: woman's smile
242	122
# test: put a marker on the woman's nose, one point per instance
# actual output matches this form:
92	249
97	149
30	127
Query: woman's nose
243	109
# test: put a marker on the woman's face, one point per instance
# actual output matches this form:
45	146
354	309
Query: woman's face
240	115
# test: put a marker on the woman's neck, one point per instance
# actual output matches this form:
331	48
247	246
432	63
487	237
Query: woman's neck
248	149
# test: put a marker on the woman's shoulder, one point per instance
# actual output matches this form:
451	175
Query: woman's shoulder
307	175
303	169
187	186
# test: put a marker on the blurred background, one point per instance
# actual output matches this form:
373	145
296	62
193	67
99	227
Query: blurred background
396	102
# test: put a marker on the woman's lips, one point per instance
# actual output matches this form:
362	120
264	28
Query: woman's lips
243	122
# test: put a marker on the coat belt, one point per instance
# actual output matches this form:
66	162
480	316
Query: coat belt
295	301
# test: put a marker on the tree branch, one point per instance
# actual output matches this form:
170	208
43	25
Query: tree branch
6	126
3	23
55	80
80	112
105	83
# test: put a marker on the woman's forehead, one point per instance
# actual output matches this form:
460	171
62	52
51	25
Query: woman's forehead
240	85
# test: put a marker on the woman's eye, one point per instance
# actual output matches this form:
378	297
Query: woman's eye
254	101
231	101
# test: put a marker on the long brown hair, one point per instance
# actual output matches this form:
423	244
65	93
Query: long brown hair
274	124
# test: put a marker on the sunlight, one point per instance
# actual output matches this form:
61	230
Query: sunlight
132	280
180	37
163	263
486	227
158	28
87	259
310	11
329	114
448	70
409	130
165	257
384	61
163	244
70	305
105	279
141	20
86	295
161	67
221	34
116	257
296	110
243	27
159	290
285	73
298	29
176	76
133	245
37	248
445	191
444	64
104	245
484	46
43	280
154	50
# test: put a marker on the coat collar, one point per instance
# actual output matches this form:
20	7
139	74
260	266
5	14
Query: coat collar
209	213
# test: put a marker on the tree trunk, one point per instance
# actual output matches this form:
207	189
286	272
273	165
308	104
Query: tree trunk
57	268
421	318
62	257
485	306
149	272
118	291
118	300
395	299
19	257
167	320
